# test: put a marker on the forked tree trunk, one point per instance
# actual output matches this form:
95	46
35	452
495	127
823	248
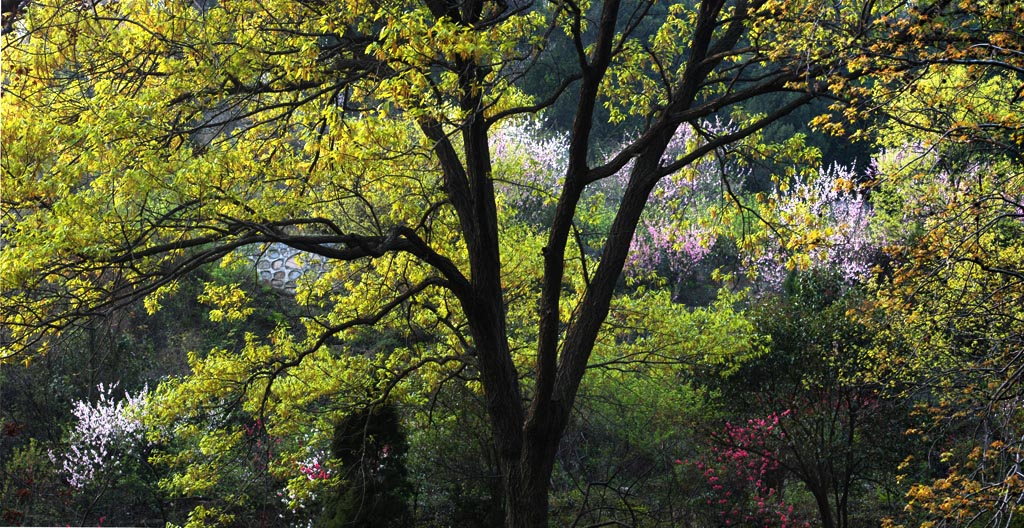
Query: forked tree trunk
527	440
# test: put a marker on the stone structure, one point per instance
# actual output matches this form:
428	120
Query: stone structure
280	266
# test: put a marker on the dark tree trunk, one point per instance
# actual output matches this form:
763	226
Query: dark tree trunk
824	508
526	486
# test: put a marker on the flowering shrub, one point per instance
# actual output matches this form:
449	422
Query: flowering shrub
824	223
670	239
659	244
313	467
743	475
674	234
306	483
530	164
106	433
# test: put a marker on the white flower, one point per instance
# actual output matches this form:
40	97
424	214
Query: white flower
104	433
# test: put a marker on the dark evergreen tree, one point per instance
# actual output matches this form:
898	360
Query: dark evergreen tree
374	489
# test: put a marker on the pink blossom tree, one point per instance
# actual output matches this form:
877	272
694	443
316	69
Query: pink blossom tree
822	223
673	236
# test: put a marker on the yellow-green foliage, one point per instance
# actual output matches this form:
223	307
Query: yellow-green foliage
646	329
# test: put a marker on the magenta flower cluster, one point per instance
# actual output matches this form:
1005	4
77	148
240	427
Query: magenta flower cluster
313	467
743	475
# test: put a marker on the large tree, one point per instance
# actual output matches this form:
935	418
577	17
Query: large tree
949	313
143	140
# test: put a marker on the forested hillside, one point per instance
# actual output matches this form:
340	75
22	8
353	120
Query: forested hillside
696	263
